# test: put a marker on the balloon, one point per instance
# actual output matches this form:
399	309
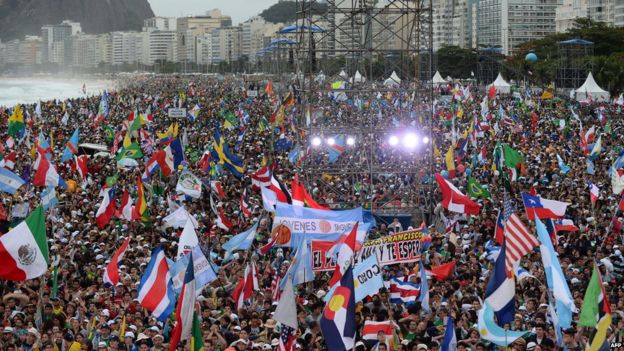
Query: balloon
445	174
531	57
461	168
468	171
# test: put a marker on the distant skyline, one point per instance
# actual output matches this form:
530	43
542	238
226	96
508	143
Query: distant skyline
239	10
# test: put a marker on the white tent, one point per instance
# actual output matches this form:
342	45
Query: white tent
437	79
502	87
393	80
357	78
591	89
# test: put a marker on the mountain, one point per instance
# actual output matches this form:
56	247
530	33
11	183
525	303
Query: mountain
25	17
286	11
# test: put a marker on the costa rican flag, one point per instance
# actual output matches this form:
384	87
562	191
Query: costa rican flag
156	289
111	273
402	292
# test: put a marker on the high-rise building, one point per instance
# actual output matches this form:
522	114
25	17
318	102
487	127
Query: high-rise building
160	23
127	48
89	50
609	11
191	27
226	44
53	40
161	46
505	24
453	23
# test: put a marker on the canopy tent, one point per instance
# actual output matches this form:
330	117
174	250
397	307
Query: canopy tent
393	80
590	89
437	79
357	78
502	87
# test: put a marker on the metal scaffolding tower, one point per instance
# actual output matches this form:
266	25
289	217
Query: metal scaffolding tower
573	65
363	70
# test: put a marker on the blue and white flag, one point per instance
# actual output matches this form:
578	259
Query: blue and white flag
590	167
301	266
48	198
316	224
9	181
367	279
424	288
555	278
242	241
337	148
562	166
205	271
490	331
521	273
449	343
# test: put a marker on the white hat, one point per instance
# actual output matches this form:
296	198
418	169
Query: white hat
154	328
99	257
105	312
102	344
320	294
129	334
274	342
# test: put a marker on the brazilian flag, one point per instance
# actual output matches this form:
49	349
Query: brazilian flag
132	151
477	190
109	134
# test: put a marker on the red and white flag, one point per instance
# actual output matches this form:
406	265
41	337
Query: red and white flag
262	178
125	211
244	206
519	242
298	196
9	161
106	210
111	273
264	249
453	199
594	193
345	256
246	286
81	165
223	222
185	309
371	329
217	189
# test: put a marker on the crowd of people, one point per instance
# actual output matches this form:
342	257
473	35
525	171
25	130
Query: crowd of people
76	311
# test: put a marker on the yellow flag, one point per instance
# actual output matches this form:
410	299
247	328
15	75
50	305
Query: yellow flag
122	329
127	141
450	161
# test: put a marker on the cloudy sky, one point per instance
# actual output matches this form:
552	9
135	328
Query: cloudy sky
239	10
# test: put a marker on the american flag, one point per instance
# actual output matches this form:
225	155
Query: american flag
508	207
287	338
519	242
275	284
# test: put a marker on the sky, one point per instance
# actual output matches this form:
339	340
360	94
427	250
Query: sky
239	10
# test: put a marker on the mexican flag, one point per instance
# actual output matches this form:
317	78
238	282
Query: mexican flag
24	249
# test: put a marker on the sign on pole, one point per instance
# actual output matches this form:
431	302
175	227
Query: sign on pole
176	112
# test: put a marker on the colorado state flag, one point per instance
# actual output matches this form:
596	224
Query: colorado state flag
338	319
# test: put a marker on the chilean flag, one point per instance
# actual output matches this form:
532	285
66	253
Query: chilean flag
594	193
111	273
46	174
453	200
125	211
499	232
536	207
106	210
564	225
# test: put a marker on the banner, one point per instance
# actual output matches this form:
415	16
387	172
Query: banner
401	247
189	184
292	223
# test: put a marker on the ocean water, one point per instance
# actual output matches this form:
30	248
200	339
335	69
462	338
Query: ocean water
29	90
